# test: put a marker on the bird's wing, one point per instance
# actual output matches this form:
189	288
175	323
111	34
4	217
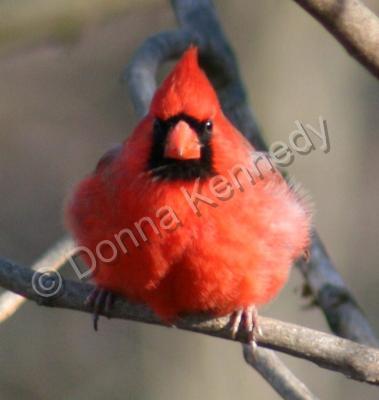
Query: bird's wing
108	157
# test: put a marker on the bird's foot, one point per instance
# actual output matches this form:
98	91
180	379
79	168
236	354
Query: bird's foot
247	319
100	300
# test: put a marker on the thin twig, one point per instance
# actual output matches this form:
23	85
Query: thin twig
52	260
352	24
354	360
275	372
343	314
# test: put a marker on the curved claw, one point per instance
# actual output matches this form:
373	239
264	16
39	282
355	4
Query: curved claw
248	318
100	300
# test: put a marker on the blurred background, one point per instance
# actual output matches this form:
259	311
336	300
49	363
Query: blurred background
62	105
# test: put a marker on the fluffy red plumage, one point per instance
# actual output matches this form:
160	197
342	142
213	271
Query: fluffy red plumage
234	253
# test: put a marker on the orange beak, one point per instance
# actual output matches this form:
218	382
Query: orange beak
182	143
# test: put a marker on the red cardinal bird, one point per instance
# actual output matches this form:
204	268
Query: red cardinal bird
185	215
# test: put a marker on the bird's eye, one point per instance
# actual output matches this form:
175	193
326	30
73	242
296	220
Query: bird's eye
208	125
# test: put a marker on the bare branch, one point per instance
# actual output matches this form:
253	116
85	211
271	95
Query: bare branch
52	260
352	24
265	361
140	74
354	360
343	314
275	372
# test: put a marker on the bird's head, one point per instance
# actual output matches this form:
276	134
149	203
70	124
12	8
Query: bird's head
183	110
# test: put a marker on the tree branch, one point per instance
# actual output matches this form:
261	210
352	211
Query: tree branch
344	316
352	24
276	373
354	360
264	361
52	261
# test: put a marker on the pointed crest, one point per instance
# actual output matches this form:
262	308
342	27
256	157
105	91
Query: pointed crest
186	90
